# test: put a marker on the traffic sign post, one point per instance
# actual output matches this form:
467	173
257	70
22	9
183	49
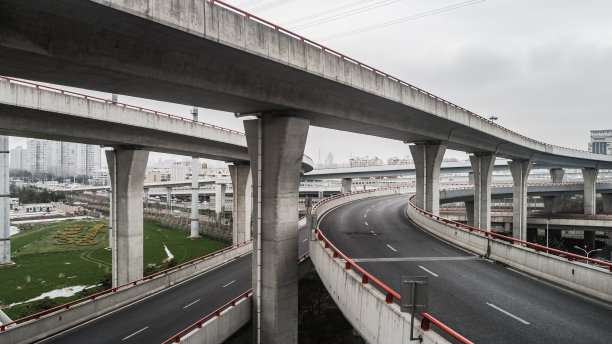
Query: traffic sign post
414	297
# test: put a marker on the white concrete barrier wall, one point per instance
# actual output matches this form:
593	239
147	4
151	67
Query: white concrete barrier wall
574	275
363	305
55	322
219	329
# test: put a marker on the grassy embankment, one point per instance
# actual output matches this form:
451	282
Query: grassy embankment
72	253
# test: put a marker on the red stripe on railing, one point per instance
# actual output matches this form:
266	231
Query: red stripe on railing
109	101
114	289
510	240
216	313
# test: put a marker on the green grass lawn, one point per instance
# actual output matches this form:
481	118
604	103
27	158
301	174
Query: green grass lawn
44	264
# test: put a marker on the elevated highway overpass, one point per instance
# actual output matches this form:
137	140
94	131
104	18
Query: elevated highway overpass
212	55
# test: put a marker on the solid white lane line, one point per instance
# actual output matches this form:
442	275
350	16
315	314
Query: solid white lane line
229	283
135	333
394	250
508	314
194	302
435	275
366	223
304	240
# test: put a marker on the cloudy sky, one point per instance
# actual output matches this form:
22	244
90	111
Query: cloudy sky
544	68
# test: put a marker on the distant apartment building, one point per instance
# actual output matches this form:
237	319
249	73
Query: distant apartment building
19	159
62	158
152	176
100	177
399	161
365	161
601	141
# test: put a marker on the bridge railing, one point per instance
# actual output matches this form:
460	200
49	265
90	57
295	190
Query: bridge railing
110	101
216	313
509	240
123	286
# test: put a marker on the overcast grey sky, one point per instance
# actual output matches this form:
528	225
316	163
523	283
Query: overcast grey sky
544	67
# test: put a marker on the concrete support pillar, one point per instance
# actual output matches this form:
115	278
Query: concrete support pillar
5	226
127	171
195	197
427	160
471	177
482	166
347	184
111	222
520	171
607	202
242	185
552	204
590	189
220	200
469	212
145	195
276	145
556	175
589	239
169	198
320	195
507	227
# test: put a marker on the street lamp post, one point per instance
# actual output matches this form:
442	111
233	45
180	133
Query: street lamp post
586	253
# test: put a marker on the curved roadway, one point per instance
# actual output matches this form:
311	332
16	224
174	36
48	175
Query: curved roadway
484	301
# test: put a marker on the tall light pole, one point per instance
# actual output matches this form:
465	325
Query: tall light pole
586	253
195	188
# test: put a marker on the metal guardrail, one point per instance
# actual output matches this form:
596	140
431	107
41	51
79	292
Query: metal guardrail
216	313
123	286
109	101
510	240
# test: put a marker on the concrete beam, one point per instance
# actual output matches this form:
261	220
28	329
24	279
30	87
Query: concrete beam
276	144
169	198
347	184
242	185
5	227
127	171
482	166
590	190
427	158
520	172
556	175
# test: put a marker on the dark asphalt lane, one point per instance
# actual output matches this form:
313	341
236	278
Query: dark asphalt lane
484	301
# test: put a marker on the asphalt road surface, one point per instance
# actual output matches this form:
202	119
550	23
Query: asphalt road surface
484	301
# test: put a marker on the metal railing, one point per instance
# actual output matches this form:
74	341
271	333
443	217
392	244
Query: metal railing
510	240
216	313
110	101
123	286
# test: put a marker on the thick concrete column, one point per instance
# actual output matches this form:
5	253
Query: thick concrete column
346	185
276	145
195	194
242	185
169	198
220	200
520	171
607	202
552	204
469	212
482	166
5	226
427	160
556	175
127	171
146	196
590	189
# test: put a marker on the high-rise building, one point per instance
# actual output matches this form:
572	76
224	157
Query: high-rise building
601	141
19	159
329	161
62	158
